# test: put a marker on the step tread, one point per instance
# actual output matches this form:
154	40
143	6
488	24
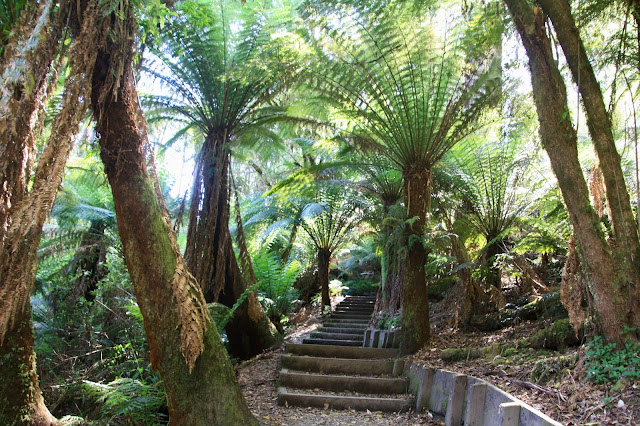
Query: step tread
371	367
344	402
342	383
333	342
343	351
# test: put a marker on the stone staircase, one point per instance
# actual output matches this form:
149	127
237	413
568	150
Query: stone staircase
332	369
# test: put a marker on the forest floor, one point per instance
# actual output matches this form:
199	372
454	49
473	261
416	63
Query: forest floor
564	394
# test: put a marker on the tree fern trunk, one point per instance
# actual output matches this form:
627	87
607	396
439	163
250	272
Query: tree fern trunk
323	258
211	258
415	302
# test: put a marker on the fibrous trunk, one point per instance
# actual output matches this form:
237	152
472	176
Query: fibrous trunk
415	302
324	257
211	257
184	345
27	64
615	298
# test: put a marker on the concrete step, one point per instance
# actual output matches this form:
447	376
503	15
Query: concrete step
333	322
340	351
337	342
344	315
335	383
372	367
365	298
345	330
285	397
337	336
353	312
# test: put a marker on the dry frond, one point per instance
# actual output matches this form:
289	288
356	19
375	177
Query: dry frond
18	258
192	312
191	307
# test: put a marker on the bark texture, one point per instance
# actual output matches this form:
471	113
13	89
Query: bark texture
614	297
415	302
625	233
27	65
323	258
185	347
211	258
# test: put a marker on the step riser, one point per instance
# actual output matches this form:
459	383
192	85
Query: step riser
351	316
336	342
341	351
345	321
344	403
337	336
338	365
344	330
344	383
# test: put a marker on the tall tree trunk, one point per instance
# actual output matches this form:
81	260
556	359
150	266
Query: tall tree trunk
625	232
614	304
389	295
211	258
415	302
27	64
184	346
324	258
21	400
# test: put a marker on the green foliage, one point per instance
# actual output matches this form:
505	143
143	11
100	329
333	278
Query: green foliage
361	287
439	270
100	340
9	13
388	322
275	285
129	401
606	363
397	86
224	64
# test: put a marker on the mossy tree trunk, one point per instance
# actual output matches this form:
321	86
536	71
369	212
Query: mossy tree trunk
626	247
415	302
323	257
184	345
211	257
27	195
21	400
614	301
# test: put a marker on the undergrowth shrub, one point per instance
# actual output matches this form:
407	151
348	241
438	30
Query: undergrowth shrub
129	401
99	341
361	288
275	286
608	364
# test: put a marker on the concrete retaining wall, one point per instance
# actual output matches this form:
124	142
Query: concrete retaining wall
374	338
467	400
